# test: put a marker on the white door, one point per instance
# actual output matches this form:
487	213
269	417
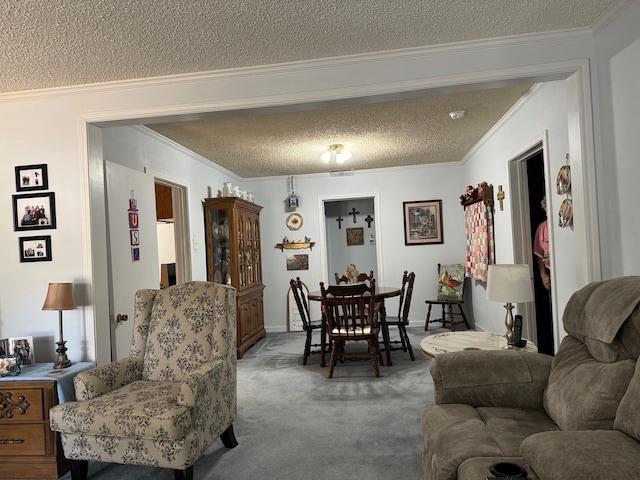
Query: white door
131	270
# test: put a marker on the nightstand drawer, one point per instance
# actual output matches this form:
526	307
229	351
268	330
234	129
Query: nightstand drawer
22	439
21	404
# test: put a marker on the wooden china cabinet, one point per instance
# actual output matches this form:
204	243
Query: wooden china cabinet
232	233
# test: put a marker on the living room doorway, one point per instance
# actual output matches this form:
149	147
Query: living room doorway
528	180
361	245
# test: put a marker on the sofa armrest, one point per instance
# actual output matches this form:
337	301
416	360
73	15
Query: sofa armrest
496	378
106	378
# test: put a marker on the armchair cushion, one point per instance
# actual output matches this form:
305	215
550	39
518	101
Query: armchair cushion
491	378
583	393
591	455
143	409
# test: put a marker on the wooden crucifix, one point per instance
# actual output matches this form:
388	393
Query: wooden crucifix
354	213
369	219
339	220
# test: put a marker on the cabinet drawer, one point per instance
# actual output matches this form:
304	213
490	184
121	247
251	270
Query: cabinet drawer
21	405
23	439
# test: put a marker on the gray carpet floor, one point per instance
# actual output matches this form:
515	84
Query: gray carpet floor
295	423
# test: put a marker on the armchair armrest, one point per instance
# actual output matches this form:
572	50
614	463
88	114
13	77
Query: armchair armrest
205	378
106	378
497	378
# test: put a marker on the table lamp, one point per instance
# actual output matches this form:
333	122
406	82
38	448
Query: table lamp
60	297
510	284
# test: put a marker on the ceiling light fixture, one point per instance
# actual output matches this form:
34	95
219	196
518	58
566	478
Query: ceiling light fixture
336	152
457	115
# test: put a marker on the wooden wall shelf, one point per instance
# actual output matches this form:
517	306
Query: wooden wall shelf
295	246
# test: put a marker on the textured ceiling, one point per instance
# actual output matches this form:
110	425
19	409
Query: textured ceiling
55	43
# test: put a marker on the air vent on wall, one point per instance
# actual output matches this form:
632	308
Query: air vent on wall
341	173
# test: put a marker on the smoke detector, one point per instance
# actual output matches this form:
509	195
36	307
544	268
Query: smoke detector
457	115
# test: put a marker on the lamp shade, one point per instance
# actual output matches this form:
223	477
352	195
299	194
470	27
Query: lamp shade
59	297
509	284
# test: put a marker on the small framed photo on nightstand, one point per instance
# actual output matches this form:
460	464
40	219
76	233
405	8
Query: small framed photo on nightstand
9	366
23	348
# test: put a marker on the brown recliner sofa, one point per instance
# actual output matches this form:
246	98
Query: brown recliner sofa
575	415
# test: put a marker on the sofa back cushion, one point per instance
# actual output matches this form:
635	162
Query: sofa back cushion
583	393
605	316
627	418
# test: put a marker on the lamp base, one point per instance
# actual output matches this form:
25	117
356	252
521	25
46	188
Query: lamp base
62	360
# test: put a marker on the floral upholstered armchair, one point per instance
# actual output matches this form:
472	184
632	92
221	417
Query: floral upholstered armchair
167	402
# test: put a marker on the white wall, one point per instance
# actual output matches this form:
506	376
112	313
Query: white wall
51	127
544	111
140	148
417	183
618	105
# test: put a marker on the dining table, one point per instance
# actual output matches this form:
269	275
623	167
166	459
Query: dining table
380	295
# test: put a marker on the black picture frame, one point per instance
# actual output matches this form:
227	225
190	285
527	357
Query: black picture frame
32	177
32	205
423	222
35	249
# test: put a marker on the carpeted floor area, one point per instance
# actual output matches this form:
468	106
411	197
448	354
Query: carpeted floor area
295	423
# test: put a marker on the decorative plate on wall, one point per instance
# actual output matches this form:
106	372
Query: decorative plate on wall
566	213
563	182
294	221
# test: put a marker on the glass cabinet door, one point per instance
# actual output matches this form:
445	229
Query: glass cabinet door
249	249
219	221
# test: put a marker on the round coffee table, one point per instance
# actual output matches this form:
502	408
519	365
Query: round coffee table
457	341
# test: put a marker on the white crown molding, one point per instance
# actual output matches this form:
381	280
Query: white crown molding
533	91
610	15
306	65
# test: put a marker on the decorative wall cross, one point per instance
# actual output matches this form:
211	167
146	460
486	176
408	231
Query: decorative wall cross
339	220
354	213
369	219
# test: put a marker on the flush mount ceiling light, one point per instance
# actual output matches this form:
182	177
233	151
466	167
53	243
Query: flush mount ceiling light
336	152
457	115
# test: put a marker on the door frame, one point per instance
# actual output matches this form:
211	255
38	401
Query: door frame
180	206
324	258
581	138
521	223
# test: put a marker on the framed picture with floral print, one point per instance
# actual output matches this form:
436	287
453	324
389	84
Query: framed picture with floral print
423	222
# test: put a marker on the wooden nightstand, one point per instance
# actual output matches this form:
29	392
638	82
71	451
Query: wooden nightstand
28	447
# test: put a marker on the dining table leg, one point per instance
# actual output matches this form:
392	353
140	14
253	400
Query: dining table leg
385	332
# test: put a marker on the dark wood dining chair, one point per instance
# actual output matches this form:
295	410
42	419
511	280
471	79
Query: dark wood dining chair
351	314
451	283
402	320
298	288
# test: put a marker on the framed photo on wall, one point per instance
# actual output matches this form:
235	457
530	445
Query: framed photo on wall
34	211
298	262
423	222
355	236
32	177
35	249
